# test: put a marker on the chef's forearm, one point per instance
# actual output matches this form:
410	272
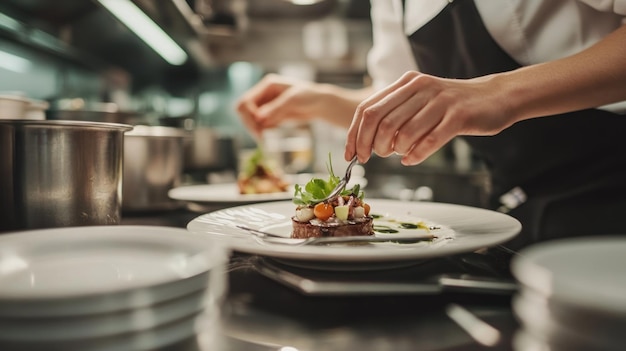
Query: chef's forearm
340	104
591	78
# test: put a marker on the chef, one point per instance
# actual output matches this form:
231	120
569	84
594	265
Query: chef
536	87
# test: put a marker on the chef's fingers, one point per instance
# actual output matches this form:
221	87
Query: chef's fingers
416	128
375	116
248	104
353	131
392	124
266	89
247	111
251	103
283	107
429	143
360	135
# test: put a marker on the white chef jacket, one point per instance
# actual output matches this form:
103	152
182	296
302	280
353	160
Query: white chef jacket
530	31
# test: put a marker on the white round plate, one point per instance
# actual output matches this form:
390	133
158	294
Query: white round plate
462	229
79	270
149	339
536	317
227	193
585	273
99	325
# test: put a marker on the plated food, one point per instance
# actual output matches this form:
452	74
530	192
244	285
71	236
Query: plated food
259	177
460	229
346	214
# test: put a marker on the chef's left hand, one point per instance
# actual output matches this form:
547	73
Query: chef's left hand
419	113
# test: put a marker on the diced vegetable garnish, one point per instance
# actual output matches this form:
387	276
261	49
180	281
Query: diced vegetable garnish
359	212
341	212
323	211
305	214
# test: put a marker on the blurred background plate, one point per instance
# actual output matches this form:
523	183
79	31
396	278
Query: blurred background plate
571	294
225	194
585	274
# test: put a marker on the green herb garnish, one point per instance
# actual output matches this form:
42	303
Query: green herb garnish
317	189
255	164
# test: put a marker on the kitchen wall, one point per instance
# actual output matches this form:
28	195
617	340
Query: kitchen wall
43	76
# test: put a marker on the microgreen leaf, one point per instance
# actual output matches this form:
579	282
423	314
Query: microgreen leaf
316	189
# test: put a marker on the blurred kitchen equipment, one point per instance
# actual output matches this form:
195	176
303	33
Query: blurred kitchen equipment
205	149
291	147
13	106
479	330
60	173
202	150
81	110
153	164
36	109
19	106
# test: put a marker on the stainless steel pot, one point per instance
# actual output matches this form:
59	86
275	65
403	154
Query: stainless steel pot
205	149
153	164
202	150
60	173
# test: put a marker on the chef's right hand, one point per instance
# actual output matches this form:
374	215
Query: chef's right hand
275	99
418	114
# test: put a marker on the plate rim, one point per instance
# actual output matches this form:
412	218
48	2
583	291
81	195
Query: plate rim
236	198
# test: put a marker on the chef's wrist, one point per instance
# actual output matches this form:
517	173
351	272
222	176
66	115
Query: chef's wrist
509	94
338	104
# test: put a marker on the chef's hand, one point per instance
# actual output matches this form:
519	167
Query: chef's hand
418	114
275	99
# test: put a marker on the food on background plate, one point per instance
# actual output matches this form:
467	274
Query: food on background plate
258	177
347	214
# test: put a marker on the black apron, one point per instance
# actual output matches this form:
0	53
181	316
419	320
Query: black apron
561	176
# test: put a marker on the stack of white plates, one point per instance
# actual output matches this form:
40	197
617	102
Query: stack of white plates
572	295
107	287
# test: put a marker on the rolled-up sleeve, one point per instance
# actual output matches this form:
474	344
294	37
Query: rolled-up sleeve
391	54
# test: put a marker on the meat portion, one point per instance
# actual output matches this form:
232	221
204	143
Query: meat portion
302	230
